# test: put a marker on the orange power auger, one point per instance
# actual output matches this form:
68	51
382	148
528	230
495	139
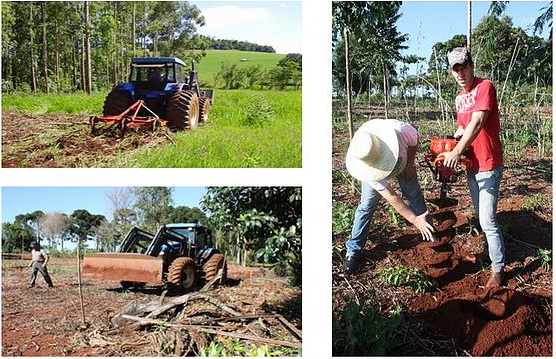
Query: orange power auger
435	161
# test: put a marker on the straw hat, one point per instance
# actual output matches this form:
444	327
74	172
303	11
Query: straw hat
373	152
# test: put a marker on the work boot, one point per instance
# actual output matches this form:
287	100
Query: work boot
351	264
495	280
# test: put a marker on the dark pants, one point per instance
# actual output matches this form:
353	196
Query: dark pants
37	267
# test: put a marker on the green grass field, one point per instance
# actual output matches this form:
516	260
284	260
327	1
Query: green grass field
77	103
211	63
247	128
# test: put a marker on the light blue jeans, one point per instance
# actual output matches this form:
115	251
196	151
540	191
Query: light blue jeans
484	188
367	205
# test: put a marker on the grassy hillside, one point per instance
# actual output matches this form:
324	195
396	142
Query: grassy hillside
210	64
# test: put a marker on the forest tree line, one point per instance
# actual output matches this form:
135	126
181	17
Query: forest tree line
222	44
145	207
502	52
66	46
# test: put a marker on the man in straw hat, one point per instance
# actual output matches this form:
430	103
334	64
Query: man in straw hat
381	150
479	128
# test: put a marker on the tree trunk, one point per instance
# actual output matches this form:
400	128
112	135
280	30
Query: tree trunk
57	57
469	25
74	61
32	45
133	38
115	47
385	88
44	47
82	62
108	67
87	49
348	82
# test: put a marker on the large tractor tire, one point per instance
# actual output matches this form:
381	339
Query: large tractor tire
183	273
182	111
116	102
204	110
214	264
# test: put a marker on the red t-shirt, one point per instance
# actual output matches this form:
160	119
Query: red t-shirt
486	149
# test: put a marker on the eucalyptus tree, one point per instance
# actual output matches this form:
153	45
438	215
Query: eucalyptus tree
152	205
346	19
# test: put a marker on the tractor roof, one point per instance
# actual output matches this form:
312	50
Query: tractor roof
156	60
185	225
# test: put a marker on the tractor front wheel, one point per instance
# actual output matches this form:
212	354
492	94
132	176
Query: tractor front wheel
183	273
204	110
182	111
116	102
213	265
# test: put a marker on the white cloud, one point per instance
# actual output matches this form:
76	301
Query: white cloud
220	17
282	5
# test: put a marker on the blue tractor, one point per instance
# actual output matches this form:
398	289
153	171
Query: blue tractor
166	88
179	254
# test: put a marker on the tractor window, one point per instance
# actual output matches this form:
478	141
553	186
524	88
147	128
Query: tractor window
152	73
201	239
180	76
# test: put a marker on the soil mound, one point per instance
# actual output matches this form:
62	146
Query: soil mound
500	322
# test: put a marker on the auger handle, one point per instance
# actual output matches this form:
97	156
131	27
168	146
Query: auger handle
440	158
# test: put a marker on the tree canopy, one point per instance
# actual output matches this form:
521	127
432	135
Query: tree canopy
266	220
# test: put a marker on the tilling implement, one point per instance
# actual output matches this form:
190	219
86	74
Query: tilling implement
435	161
127	119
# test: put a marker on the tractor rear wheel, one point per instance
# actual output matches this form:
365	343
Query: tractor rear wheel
213	265
183	273
204	110
182	111
116	102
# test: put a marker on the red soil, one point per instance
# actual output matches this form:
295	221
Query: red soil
488	321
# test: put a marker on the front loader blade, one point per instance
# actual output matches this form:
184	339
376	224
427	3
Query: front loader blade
130	267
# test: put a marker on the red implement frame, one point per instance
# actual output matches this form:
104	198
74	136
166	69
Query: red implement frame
124	120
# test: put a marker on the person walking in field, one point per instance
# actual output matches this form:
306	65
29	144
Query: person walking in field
39	260
479	129
380	151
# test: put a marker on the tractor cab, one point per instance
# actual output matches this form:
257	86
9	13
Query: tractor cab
154	73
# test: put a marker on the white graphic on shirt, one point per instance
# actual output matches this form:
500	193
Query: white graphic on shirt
466	101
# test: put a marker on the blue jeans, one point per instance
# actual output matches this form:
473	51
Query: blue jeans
367	205
484	188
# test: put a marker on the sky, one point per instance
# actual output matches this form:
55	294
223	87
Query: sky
274	23
20	200
429	22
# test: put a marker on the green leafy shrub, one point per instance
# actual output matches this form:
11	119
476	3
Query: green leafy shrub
342	218
546	258
536	202
360	330
234	347
400	276
258	112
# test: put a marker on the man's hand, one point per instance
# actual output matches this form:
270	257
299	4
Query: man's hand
30	264
451	158
424	227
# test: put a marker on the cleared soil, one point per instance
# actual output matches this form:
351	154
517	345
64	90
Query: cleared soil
460	317
43	321
62	140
